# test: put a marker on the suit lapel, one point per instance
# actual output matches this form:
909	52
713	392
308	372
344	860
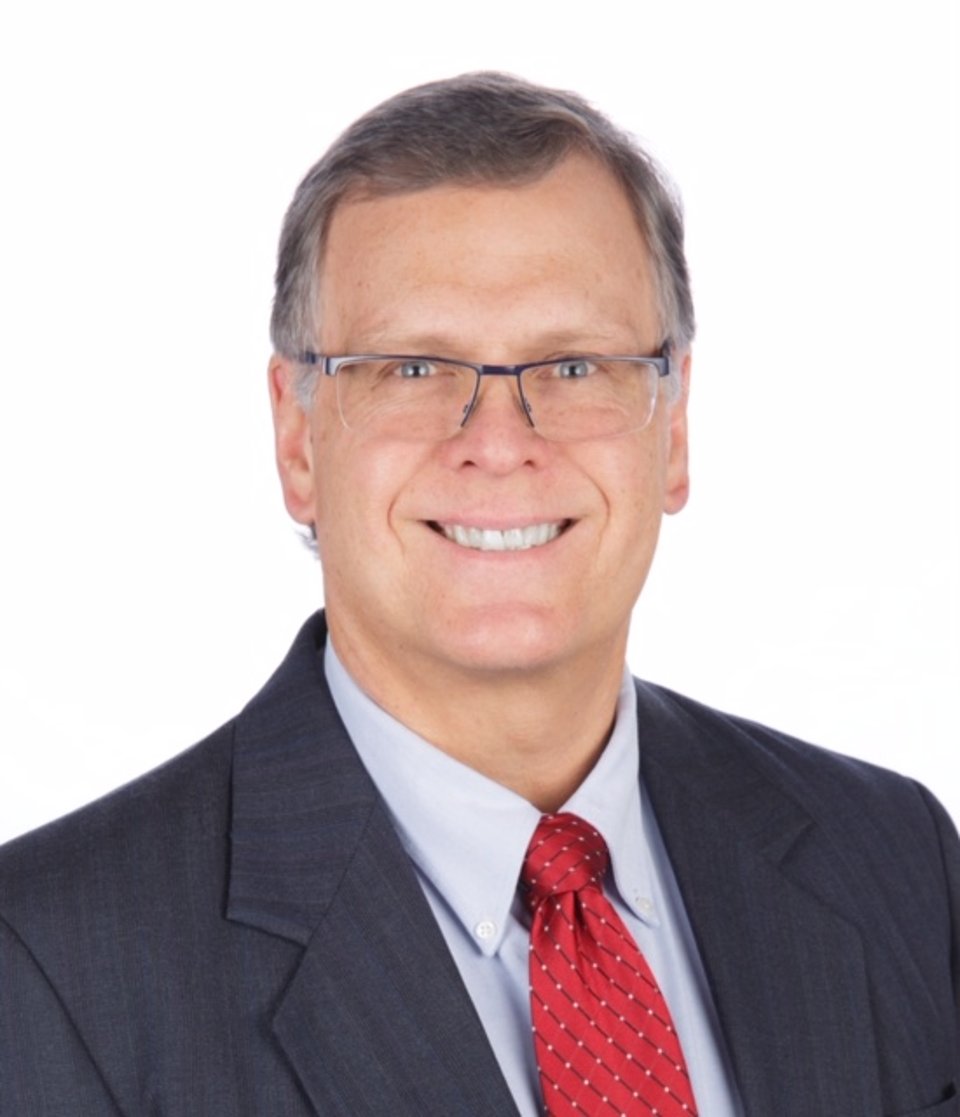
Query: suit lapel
376	1018
745	857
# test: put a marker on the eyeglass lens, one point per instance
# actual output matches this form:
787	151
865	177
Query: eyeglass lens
419	399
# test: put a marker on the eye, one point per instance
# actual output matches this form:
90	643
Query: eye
414	369
574	368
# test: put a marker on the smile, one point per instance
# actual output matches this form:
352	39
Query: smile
492	539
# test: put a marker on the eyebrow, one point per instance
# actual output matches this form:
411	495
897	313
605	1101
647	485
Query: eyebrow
554	341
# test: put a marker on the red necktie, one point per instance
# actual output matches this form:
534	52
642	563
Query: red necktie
604	1040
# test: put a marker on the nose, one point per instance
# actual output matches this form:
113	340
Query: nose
488	395
497	436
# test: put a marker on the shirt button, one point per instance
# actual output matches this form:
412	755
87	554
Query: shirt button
485	929
645	905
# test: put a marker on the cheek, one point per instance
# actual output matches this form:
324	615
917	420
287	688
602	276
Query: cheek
633	491
360	487
632	479
350	546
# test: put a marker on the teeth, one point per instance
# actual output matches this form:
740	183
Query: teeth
490	539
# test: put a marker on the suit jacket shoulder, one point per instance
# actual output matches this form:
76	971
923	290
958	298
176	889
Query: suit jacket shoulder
236	933
105	915
825	889
171	807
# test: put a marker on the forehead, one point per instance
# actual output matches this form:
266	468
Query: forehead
566	249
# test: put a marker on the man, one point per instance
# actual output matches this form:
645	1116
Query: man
337	904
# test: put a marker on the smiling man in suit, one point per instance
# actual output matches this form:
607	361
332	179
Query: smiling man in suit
453	860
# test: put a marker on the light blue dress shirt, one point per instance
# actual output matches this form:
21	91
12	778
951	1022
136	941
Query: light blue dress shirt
467	837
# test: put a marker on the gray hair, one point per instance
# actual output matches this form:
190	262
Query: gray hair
476	129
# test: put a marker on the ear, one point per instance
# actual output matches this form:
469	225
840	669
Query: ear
677	487
294	450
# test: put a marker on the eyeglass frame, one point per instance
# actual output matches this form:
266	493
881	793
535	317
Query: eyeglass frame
330	365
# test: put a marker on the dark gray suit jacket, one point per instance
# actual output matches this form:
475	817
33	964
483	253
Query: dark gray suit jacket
240	932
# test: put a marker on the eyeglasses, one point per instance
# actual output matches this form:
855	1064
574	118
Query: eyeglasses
430	398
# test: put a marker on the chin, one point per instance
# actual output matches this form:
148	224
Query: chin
504	639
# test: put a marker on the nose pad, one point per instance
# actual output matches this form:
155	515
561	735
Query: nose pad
519	400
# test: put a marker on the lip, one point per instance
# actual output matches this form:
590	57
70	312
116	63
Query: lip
518	537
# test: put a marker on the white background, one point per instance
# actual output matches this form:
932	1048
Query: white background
150	579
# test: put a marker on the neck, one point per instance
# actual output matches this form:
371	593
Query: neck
537	732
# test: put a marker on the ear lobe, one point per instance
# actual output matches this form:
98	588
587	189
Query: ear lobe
677	487
294	451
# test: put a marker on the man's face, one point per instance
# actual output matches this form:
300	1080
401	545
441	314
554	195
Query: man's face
500	275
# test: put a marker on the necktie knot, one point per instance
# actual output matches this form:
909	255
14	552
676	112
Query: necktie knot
565	854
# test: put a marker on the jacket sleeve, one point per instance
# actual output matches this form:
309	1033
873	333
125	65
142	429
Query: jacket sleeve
45	1068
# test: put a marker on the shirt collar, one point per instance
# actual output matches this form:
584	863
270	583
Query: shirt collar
467	834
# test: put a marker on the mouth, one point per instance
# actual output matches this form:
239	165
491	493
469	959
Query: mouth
508	539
